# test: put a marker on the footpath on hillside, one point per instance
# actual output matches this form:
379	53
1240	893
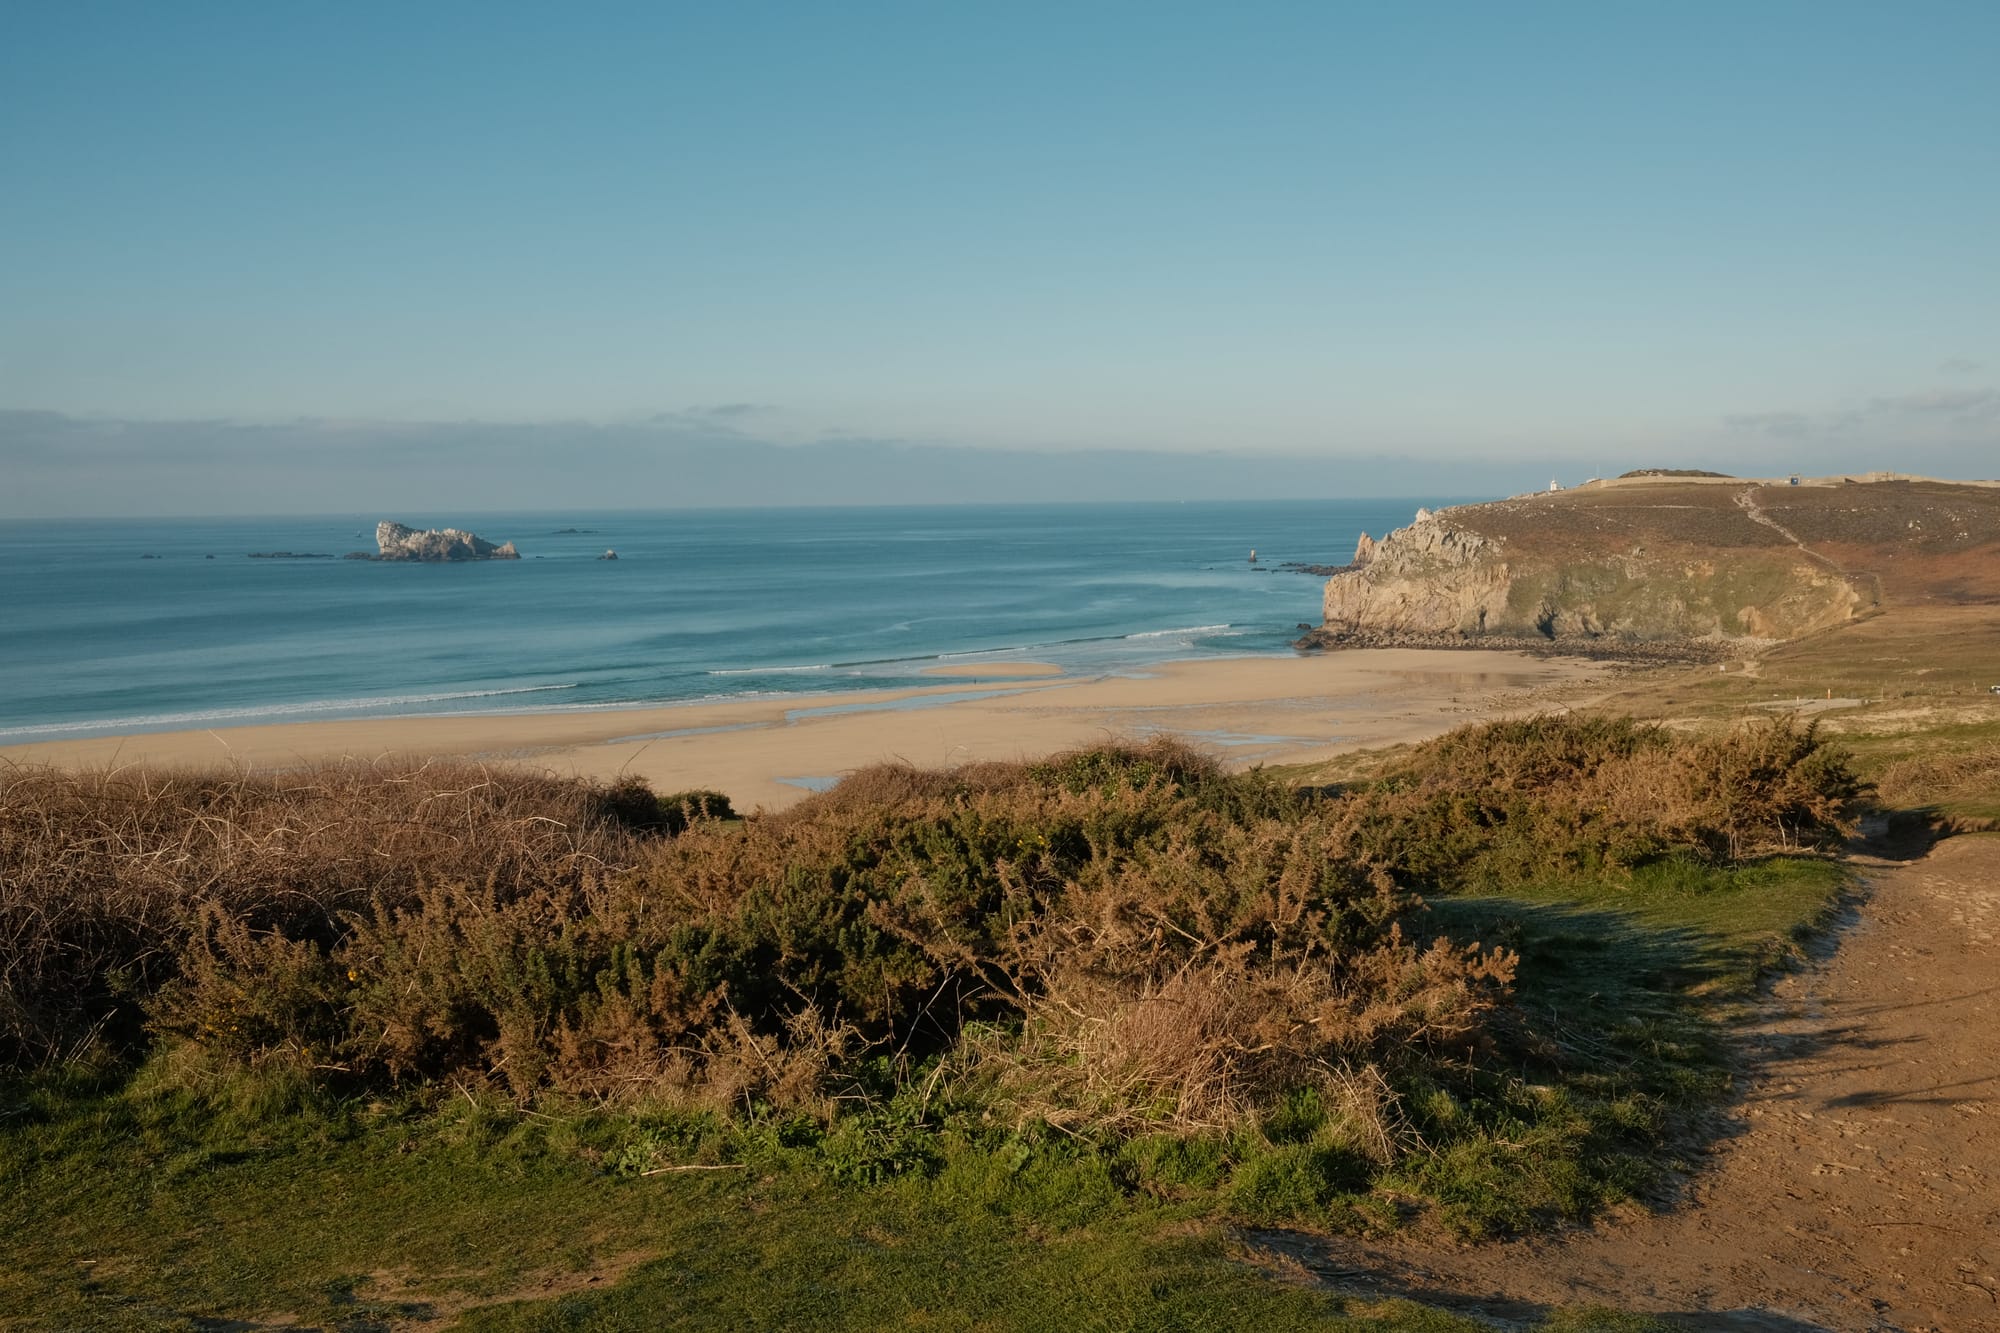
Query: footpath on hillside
1858	1187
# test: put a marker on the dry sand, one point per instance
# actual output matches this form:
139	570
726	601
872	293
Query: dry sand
771	752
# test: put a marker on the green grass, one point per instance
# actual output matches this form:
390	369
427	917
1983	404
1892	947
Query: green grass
137	1206
1628	989
169	1196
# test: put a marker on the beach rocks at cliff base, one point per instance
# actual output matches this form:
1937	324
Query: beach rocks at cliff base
397	542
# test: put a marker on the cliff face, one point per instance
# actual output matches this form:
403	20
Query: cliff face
1572	569
1428	578
397	542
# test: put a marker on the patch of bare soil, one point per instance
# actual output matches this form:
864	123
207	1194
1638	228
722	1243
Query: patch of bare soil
442	1312
1859	1187
398	1301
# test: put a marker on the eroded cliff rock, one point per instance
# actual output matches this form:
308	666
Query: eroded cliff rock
397	542
1585	574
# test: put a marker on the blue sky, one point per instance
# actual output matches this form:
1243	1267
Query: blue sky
1585	235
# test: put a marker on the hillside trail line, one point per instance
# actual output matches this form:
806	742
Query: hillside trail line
1857	1186
1747	501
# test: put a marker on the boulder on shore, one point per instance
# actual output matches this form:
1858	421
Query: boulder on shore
397	542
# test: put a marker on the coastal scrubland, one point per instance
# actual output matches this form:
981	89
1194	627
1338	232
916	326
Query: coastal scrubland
374	1046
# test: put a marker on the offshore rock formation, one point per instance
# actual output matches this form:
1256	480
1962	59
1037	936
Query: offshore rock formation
397	542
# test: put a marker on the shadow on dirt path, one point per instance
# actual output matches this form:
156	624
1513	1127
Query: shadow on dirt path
1859	1188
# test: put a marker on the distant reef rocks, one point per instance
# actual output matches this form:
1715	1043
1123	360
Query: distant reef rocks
396	542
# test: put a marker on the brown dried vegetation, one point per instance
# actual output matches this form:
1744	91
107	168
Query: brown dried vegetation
1109	939
105	874
1962	784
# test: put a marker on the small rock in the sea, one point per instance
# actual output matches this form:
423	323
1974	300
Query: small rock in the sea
398	542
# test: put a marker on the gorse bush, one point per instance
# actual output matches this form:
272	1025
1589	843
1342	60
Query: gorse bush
1114	939
775	963
105	877
1947	777
1546	798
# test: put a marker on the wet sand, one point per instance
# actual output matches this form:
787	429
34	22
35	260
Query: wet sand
770	752
996	669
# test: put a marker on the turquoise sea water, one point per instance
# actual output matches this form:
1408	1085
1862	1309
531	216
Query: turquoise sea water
96	638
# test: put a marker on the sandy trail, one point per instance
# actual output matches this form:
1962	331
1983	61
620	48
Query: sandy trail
1859	1188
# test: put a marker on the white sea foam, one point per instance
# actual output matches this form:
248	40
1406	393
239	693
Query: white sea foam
207	716
771	671
1169	633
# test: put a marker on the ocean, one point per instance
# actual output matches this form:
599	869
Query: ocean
113	626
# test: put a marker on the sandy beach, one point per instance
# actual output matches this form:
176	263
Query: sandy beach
771	752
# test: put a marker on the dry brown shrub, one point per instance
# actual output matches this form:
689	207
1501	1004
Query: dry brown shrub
1547	797
803	1069
1362	1099
884	787
1209	1046
105	873
1203	976
1139	937
1941	776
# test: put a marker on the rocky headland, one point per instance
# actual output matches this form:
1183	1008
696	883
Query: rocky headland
1663	565
397	542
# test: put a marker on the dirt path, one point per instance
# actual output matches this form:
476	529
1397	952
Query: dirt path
1747	500
1861	1188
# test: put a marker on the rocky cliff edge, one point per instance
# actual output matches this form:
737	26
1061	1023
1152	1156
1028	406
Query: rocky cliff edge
1678	570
